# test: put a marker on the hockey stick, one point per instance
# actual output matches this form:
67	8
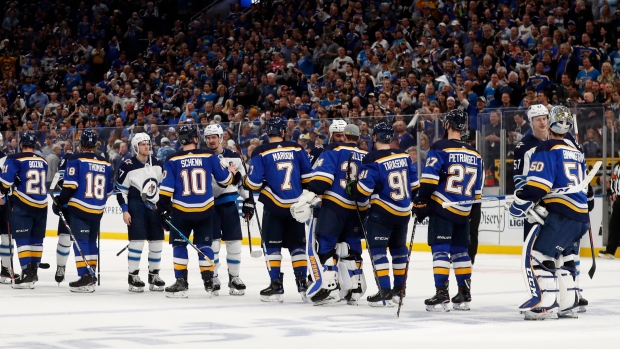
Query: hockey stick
152	207
359	216
64	221
402	290
257	253
123	250
593	267
260	229
99	257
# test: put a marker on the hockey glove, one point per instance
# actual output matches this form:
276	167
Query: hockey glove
590	198
537	215
165	217
57	208
237	178
421	208
302	210
351	188
248	208
519	207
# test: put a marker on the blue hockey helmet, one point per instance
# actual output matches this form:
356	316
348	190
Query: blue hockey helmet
457	119
275	126
384	132
28	139
187	133
88	139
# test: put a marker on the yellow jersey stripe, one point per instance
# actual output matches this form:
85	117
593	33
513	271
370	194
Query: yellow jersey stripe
193	209
29	203
539	186
565	203
389	209
85	209
322	178
342	204
451	209
275	201
429	181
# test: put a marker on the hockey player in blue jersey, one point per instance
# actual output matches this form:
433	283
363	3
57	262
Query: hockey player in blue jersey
338	230
453	172
186	198
390	179
25	174
138	180
538	115
552	245
225	226
86	186
279	169
336	134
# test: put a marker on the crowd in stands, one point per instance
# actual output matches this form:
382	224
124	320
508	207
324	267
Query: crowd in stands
121	67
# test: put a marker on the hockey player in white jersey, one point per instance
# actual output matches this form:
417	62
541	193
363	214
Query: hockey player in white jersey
226	225
138	192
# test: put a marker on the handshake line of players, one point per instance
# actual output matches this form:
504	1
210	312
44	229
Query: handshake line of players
362	195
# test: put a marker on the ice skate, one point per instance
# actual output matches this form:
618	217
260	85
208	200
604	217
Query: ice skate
155	282
274	292
541	313
179	288
5	275
236	286
207	278
353	296
217	286
396	294
302	287
135	283
383	298
441	298
462	299
605	254
85	284
60	275
582	303
28	278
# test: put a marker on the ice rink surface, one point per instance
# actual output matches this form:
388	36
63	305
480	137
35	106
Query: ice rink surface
50	316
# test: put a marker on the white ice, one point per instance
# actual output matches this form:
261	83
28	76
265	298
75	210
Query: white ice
52	317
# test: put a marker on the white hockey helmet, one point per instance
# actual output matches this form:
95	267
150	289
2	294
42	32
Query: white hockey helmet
560	120
337	125
536	110
214	129
139	138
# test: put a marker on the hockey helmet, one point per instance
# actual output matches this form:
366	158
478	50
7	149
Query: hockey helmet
187	133
457	119
88	139
215	129
536	110
384	132
560	120
275	126
337	125
139	138
28	139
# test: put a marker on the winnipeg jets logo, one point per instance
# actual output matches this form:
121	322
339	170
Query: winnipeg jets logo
150	188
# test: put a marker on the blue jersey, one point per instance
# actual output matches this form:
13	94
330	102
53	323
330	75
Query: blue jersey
331	174
453	172
315	153
30	170
86	185
389	177
523	153
187	182
284	166
557	164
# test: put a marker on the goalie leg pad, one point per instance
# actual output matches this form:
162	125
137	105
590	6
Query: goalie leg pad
328	290
543	287
345	268
569	293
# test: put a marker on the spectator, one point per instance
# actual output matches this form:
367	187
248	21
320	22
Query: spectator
53	161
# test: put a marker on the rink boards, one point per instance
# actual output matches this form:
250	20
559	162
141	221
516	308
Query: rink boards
498	233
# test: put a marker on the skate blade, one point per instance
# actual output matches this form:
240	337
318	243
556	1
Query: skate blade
461	306
443	308
24	286
388	304
156	288
181	294
352	302
274	298
136	289
327	301
236	292
304	297
5	280
581	309
568	314
533	316
83	289
60	280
